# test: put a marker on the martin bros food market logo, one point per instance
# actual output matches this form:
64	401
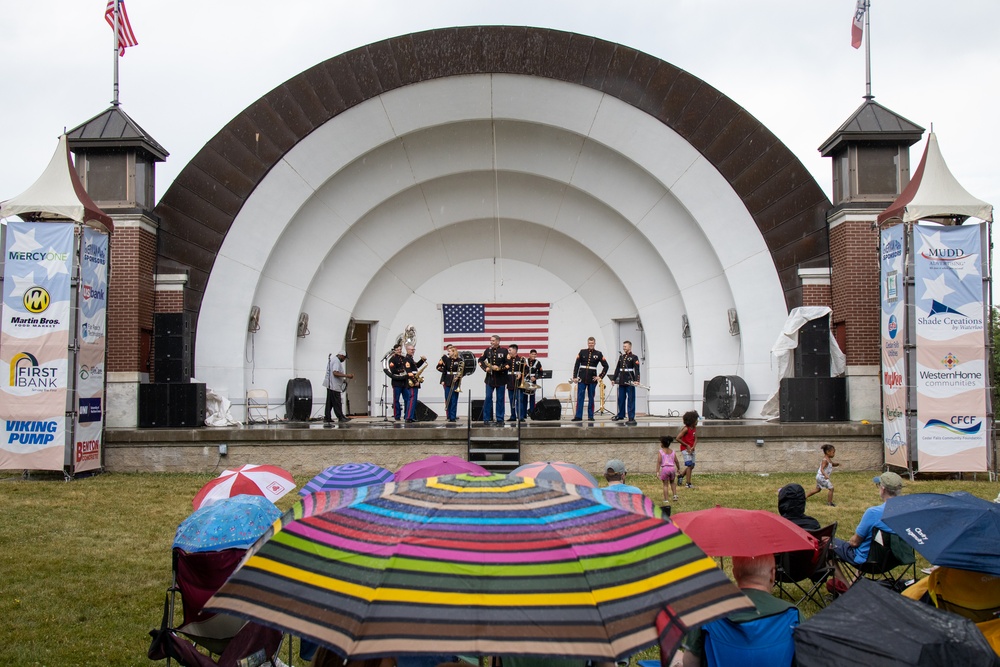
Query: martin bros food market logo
36	299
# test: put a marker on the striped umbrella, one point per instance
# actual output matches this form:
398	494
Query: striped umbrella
475	565
271	482
347	476
556	471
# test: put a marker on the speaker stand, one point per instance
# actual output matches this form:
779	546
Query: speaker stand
385	418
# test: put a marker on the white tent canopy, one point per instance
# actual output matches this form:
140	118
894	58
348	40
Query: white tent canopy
934	194
58	194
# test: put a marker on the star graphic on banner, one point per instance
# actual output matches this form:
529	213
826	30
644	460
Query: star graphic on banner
101	274
25	241
22	283
936	289
967	267
53	266
931	241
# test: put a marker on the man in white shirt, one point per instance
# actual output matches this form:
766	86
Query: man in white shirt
335	383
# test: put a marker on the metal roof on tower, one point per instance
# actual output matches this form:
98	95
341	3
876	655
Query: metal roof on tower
113	128
872	122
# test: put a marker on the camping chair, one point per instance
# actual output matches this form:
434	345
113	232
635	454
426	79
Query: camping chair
888	552
197	576
763	642
258	409
566	391
810	565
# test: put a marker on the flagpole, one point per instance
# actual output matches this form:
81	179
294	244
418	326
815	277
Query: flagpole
114	101
868	50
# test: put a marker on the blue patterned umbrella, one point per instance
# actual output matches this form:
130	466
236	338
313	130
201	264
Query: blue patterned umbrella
233	523
347	476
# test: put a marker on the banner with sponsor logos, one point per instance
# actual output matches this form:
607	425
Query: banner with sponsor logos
894	432
92	325
952	423
34	343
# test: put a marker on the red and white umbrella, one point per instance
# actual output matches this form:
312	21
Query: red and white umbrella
271	482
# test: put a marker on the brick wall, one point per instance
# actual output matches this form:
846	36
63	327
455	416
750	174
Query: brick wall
130	298
855	289
817	295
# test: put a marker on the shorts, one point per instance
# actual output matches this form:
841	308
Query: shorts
823	482
688	457
668	474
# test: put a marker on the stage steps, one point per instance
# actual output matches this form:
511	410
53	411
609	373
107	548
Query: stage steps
496	448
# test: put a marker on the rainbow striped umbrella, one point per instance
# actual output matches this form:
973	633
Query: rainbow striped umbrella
474	565
347	476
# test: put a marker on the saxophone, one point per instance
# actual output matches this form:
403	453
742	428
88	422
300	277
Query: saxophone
417	379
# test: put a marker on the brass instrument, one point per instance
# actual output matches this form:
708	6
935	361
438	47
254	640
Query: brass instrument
456	377
417	380
408	337
603	398
526	385
640	386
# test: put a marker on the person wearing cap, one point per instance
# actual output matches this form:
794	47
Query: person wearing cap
615	474
335	382
856	549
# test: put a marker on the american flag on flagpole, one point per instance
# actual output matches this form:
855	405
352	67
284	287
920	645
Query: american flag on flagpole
126	37
858	27
468	326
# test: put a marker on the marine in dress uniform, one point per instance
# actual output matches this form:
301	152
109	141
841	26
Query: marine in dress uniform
410	395
450	366
496	362
534	372
513	382
586	373
626	376
397	371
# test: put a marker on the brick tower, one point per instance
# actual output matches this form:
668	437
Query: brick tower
871	166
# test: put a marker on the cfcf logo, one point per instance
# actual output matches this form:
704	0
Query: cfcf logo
36	299
893	326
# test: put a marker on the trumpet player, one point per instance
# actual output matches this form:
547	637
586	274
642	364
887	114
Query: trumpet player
496	362
626	376
451	380
514	392
586	375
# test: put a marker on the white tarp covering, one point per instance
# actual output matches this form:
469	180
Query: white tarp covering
784	348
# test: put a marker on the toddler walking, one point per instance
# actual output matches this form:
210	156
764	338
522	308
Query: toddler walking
826	466
688	437
666	460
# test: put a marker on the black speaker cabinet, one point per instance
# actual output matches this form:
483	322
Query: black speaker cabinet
172	324
163	405
172	370
815	399
813	364
171	347
422	413
812	355
477	409
547	409
298	399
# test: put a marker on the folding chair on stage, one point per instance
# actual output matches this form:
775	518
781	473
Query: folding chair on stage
809	566
888	553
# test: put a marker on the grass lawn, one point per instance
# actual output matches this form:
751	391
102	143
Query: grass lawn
84	565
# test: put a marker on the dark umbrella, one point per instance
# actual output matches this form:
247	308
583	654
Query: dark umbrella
873	626
955	529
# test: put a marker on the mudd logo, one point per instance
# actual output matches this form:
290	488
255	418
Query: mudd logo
36	299
893	326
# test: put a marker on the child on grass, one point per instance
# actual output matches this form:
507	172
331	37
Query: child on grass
666	470
826	466
688	437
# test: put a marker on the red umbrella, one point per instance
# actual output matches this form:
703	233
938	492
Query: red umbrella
722	531
559	471
271	482
436	466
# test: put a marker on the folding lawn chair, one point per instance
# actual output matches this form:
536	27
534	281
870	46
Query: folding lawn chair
888	552
810	566
763	642
197	576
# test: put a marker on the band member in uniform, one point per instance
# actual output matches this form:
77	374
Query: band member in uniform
451	378
626	376
513	382
410	397
496	364
586	375
534	369
397	370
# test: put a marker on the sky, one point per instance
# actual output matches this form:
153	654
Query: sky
787	62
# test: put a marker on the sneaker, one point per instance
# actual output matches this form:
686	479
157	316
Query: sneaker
832	504
675	496
689	486
615	418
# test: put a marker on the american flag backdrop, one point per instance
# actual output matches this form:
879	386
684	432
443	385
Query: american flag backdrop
468	326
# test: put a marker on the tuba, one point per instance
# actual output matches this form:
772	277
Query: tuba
408	337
